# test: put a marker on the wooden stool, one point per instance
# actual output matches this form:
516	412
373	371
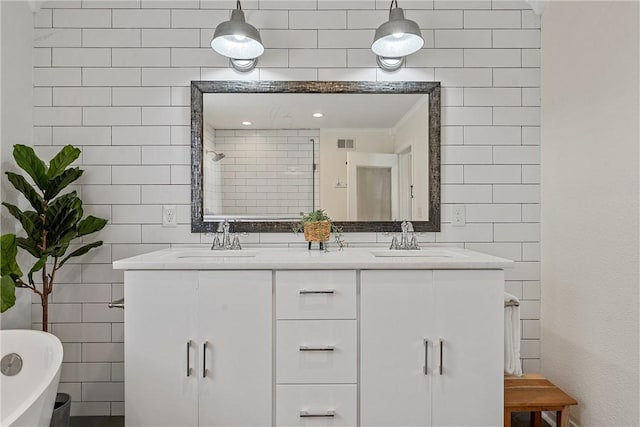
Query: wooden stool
533	393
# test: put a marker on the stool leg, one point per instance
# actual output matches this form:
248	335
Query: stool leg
507	418
536	419
564	417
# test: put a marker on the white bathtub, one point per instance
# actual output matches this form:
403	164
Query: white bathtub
27	398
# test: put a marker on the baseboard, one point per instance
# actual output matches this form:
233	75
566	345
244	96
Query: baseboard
550	419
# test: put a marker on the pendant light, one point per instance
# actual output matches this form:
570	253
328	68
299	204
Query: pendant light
238	41
395	39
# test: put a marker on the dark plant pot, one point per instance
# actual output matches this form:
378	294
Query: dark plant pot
61	411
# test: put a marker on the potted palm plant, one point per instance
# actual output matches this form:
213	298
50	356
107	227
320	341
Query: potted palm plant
50	227
317	227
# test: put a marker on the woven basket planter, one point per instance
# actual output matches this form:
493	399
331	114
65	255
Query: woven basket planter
318	231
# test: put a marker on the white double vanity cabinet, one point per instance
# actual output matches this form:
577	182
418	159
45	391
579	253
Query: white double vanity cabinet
290	337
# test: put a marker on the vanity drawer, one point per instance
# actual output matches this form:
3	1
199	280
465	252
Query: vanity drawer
316	351
316	294
295	405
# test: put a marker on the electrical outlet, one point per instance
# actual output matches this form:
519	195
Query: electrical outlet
169	216
458	216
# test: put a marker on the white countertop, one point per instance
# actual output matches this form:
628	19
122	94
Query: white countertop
265	258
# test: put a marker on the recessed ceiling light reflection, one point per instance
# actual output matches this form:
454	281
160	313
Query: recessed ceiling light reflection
247	123
318	115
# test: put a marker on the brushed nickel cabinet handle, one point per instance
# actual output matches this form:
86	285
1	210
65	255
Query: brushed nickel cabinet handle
189	370
426	356
441	354
328	414
324	348
205	371
316	291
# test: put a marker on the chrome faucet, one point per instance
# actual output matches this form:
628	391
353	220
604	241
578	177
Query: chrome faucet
403	239
224	227
225	243
408	239
413	242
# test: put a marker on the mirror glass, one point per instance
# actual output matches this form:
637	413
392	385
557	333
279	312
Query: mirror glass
271	156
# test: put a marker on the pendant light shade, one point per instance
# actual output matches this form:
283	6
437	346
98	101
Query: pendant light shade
236	39
398	36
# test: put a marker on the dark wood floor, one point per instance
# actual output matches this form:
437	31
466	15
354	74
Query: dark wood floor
97	422
519	420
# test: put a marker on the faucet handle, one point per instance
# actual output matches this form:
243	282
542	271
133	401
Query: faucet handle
414	242
216	242
236	242
394	242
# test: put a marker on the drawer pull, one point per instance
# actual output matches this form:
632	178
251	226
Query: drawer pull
441	355
205	371
426	356
316	291
306	414
189	370
325	348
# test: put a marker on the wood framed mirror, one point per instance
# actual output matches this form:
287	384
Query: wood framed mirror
366	152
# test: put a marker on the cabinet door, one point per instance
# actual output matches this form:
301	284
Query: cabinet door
396	313
160	320
470	320
235	319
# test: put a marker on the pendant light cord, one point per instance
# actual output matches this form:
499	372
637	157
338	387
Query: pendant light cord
239	6
390	6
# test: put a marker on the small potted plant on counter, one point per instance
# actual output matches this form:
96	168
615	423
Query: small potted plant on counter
317	227
54	222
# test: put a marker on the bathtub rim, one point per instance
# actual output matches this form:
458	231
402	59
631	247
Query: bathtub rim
45	382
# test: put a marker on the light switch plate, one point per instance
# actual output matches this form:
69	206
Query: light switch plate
169	216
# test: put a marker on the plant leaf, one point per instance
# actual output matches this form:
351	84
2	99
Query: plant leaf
9	251
27	190
36	220
81	251
64	158
27	159
60	249
62	215
90	224
63	242
61	181
37	267
25	220
7	293
29	246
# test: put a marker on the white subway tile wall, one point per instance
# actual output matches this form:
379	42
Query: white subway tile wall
112	77
263	173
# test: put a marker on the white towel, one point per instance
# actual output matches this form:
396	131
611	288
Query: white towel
512	365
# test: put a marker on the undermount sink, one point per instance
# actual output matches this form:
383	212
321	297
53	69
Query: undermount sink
209	254
420	253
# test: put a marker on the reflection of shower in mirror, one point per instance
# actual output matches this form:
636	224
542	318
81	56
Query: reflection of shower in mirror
216	156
